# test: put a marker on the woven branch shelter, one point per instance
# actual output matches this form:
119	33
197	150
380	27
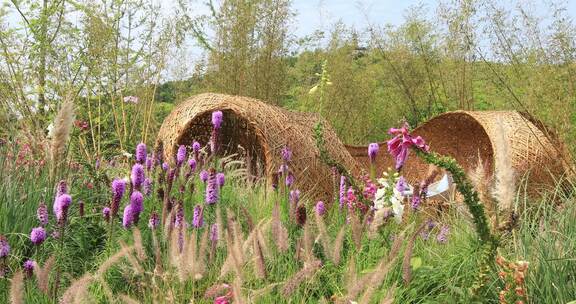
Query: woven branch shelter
533	150
261	130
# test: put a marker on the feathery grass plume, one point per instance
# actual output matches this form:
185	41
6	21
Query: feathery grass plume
115	258
185	261
247	217
219	226
236	237
259	263
43	274
262	241
379	219
158	268
62	127
389	298
351	275
232	260
337	247
215	290
323	233
201	257
504	188
136	267
78	291
278	230
482	182
357	229
373	280
237	291
128	300
306	272
406	267
17	288
138	244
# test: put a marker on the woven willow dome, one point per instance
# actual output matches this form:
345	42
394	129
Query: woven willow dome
260	130
533	150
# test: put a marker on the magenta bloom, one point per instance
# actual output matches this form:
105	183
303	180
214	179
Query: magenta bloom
196	147
106	213
286	154
373	151
204	175
212	189
221	300
320	208
137	176
342	192
118	189
42	214
136	200
128	217
154	221
180	155
165	166
149	162
29	266
4	247
61	207
192	164
38	235
217	119
141	153
220	178
401	143
198	219
289	179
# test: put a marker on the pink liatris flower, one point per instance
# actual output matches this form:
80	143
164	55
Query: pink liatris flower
141	153
192	164
212	189
289	180
401	143
196	147
204	175
286	154
42	214
136	201
294	197
128	216
165	166
179	219
61	188
149	162
180	155
373	151
4	247
147	186
137	176
401	184
61	207
217	119
118	189
106	213
154	221
416	201
38	235
320	208
198	218
29	266
220	177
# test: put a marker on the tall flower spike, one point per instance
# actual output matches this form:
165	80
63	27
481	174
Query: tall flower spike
217	124
217	119
61	207
289	179
106	213
320	208
4	247
136	201
198	219
192	164
342	192
141	153
118	189
214	233
220	177
149	163
196	147
154	221
128	217
212	189
179	220
147	186
204	175
42	214
38	235
137	176
180	155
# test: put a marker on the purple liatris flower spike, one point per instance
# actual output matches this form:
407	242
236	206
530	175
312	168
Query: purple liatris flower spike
118	189
97	164
192	164
180	155
286	154
128	217
416	201
196	147
61	207
320	208
442	236
137	176
289	179
141	153
342	192
61	188
179	220
373	151
136	201
217	119
149	163
401	184
106	213
42	213
214	233
147	186
220	178
29	266
295	197
4	247
165	166
212	189
204	175
38	235
154	221
198	219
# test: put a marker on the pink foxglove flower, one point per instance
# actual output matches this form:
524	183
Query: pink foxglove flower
400	145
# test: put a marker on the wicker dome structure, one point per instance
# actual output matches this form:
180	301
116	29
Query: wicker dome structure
261	130
533	150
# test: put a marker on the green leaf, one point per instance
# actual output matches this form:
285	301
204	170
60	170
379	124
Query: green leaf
415	262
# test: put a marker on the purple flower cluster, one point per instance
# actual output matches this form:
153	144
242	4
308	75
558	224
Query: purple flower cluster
286	154
141	153
118	189
342	192
106	213
154	221
217	119
4	247
137	176
38	235
198	218
401	143
61	207
442	236
132	211
42	214
204	175
212	188
320	208
373	151
29	266
220	178
181	155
